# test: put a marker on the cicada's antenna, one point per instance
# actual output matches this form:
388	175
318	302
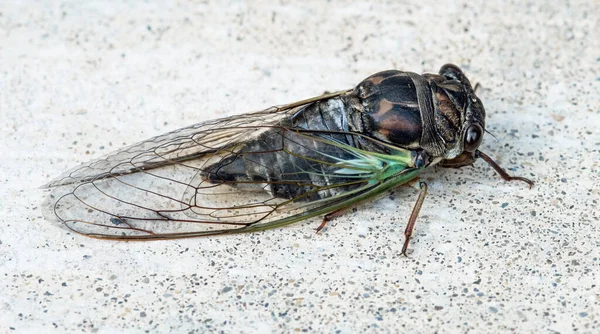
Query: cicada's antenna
491	134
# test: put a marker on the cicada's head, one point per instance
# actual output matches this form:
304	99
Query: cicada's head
459	116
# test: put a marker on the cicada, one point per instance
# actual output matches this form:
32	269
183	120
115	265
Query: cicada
267	169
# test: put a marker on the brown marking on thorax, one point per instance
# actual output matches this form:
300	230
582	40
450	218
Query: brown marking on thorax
376	80
447	108
397	126
384	107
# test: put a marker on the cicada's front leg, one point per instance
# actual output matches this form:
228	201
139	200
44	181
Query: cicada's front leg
500	170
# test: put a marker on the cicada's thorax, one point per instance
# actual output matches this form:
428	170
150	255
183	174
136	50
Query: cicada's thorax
419	112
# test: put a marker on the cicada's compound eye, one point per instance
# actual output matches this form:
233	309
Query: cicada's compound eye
451	72
473	137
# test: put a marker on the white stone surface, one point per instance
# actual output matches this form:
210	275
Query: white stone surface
79	79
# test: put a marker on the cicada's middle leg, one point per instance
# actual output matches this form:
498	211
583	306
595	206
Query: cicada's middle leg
413	216
411	221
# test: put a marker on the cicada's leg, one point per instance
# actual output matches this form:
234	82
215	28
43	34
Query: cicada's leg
414	215
331	216
500	170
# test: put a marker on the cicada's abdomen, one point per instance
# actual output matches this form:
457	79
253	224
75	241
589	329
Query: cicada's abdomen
289	163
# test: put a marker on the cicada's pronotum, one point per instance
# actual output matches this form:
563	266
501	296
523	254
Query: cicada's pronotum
248	173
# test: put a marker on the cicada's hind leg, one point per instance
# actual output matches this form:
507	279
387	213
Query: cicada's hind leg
413	216
331	216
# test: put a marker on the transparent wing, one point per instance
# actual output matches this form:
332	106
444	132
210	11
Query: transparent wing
189	143
239	174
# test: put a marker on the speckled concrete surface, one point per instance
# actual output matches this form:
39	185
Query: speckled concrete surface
79	80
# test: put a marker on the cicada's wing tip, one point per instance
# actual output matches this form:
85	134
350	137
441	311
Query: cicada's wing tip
55	190
47	209
49	205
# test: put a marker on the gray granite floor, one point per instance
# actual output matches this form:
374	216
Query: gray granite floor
80	79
